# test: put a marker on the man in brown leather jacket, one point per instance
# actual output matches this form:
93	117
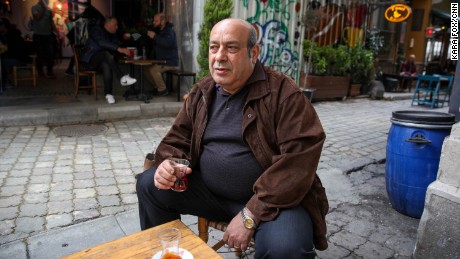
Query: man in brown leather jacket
254	143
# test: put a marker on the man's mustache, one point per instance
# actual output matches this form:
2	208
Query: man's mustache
222	65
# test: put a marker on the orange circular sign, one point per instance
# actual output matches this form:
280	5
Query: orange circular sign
397	13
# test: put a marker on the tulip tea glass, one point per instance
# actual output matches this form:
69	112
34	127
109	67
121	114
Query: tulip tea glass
180	165
169	238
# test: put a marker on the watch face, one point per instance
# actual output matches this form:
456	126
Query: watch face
248	223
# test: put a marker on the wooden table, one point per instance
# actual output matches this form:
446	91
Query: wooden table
141	63
145	244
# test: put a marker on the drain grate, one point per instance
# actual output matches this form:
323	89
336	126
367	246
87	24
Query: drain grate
80	130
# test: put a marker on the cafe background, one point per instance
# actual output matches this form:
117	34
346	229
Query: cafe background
281	27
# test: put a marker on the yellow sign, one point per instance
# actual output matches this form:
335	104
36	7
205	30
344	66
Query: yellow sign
397	12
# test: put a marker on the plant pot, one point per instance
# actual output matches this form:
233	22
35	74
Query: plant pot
308	92
328	87
355	90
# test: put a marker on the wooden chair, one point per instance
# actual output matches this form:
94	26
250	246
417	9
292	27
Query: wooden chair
179	73
81	71
203	232
30	75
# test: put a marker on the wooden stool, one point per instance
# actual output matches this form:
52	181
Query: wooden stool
31	75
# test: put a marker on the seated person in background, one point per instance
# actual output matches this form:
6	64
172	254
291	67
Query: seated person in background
254	142
98	53
12	39
164	48
408	70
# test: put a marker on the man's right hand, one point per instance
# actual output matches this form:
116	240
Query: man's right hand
123	51
164	177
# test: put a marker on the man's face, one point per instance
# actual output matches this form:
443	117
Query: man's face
157	23
112	26
229	61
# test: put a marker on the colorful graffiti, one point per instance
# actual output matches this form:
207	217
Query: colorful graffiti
280	46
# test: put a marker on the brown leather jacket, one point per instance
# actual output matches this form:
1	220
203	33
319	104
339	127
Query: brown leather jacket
283	131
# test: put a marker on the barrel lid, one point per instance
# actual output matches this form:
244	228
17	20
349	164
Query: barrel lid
424	117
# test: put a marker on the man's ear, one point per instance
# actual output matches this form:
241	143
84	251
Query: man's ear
255	53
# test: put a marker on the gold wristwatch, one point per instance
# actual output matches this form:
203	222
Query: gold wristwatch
248	222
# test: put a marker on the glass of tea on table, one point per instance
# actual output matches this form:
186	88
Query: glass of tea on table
169	238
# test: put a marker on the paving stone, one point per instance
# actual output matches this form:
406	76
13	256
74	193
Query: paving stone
376	250
83	168
57	178
123	172
6	227
128	198
84	193
109	200
43	164
12	181
58	207
44	179
83	175
82	184
32	209
58	220
127	188
37	188
64	195
63	169
10	201
332	252
7	191
16	250
30	224
107	190
83	215
42	171
35	197
112	210
104	181
103	173
125	179
353	241
85	204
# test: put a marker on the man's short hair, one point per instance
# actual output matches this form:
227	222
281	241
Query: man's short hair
252	39
109	19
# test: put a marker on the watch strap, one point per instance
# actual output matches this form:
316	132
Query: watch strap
246	217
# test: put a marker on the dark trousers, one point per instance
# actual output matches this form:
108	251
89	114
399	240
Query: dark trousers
45	46
289	235
104	62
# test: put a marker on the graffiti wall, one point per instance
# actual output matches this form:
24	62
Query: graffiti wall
280	32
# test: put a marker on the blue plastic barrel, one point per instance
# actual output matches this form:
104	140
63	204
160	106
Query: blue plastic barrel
412	157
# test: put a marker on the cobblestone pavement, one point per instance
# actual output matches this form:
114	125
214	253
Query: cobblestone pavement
49	182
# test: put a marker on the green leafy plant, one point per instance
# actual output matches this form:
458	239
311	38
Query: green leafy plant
362	65
327	60
214	11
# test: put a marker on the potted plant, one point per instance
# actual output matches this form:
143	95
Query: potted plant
328	70
361	70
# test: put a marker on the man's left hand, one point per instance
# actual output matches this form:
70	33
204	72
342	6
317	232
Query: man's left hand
237	236
151	34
